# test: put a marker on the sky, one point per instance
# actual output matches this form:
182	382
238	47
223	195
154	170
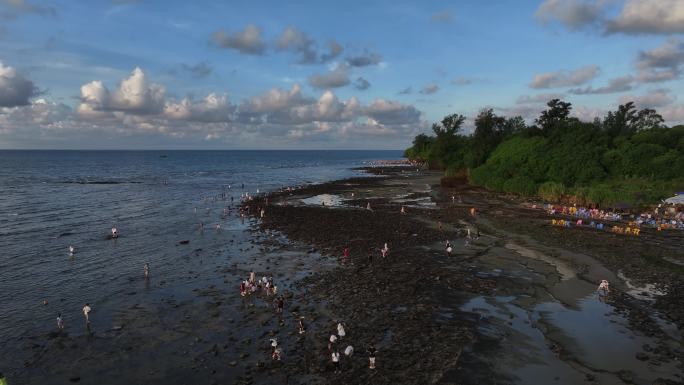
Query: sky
153	74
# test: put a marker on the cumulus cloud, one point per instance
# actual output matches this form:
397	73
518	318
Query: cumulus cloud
15	89
429	89
134	95
272	101
620	84
199	70
334	50
137	107
364	59
337	77
328	108
213	108
565	78
649	16
392	112
538	98
662	63
249	41
361	84
442	17
297	41
635	16
574	14
655	98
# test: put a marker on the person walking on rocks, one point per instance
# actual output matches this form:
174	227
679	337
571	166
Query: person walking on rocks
280	304
385	251
349	351
371	356
302	328
604	287
333	340
449	249
336	360
340	330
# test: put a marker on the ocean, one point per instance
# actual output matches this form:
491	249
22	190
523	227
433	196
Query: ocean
50	200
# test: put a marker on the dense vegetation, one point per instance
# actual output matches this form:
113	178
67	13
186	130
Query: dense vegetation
627	158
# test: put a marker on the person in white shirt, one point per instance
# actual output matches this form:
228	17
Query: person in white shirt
349	351
340	330
336	360
86	313
60	322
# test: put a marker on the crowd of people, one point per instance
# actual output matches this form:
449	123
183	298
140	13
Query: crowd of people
661	218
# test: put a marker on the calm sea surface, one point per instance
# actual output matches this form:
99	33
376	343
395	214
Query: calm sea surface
52	199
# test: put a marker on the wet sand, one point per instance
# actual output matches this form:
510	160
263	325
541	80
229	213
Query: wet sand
517	305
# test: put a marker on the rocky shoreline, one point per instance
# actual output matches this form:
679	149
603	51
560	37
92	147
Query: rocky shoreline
516	304
409	303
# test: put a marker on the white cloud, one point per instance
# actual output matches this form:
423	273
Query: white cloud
15	89
392	112
248	41
337	77
662	63
620	84
297	41
136	108
273	100
364	59
213	108
574	14
634	17
565	78
133	96
655	98
649	16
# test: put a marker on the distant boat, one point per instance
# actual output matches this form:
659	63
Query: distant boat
162	156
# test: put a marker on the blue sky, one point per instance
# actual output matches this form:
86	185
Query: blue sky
313	74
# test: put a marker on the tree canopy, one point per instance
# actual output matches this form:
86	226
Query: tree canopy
627	156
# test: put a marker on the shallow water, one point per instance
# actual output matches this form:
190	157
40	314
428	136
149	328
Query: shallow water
551	326
551	343
52	199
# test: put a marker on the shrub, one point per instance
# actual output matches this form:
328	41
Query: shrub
551	191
